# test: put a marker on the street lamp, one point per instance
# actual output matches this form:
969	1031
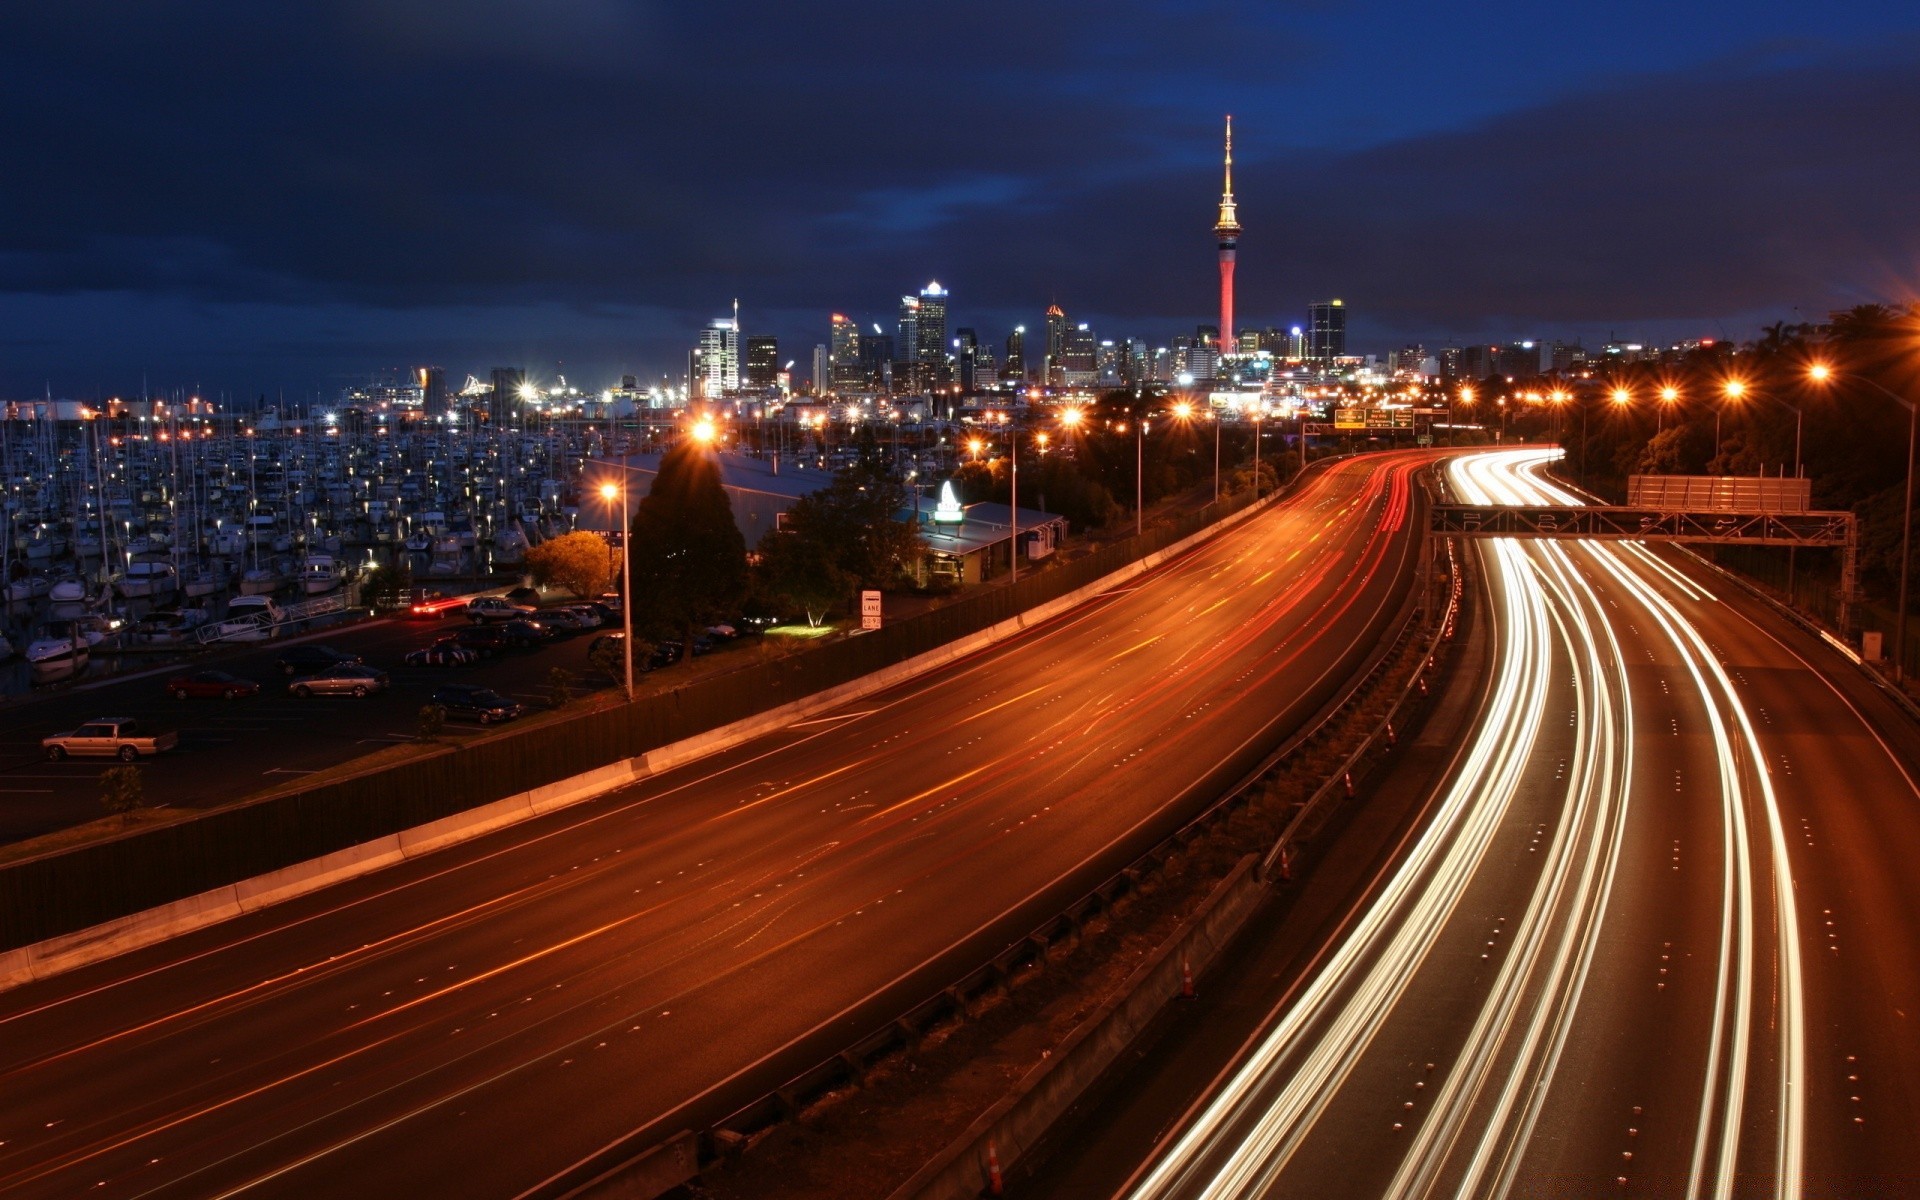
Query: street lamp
1668	395
609	491
1821	373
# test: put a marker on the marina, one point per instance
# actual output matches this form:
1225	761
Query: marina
148	528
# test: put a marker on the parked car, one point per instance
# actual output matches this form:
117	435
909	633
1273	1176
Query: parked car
348	679
211	685
447	652
668	652
497	608
476	703
484	640
590	613
310	660
566	620
527	634
524	596
609	613
116	737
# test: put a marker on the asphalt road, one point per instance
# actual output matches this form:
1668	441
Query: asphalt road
1650	938
232	748
476	1022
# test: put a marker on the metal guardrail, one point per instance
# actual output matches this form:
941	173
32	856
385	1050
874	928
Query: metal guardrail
1281	856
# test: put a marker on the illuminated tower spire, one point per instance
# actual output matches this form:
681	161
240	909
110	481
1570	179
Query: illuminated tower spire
1227	230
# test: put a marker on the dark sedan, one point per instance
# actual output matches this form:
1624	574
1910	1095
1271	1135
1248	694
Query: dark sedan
527	634
475	703
311	660
483	639
211	685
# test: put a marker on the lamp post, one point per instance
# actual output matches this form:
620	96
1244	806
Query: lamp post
1821	373
609	491
1013	496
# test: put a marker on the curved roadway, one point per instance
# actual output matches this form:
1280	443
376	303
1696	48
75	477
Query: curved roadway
478	1022
1654	938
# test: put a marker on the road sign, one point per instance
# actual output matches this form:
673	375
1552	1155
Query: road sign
869	610
1349	418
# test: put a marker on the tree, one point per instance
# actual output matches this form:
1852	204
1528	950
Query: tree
122	792
577	561
384	587
689	561
797	569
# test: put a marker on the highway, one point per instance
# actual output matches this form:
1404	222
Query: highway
477	1022
1651	938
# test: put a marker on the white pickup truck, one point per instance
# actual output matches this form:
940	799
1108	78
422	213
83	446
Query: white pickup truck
116	737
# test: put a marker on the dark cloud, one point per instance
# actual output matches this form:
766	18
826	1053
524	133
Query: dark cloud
589	179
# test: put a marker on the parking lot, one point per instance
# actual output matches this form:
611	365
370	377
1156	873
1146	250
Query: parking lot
231	748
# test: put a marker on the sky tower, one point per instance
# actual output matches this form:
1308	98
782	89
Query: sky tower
1227	229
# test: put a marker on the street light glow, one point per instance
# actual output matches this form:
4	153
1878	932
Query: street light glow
608	491
703	432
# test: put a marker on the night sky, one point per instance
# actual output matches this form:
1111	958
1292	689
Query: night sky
252	197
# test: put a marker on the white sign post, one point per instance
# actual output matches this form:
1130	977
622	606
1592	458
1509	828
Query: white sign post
869	610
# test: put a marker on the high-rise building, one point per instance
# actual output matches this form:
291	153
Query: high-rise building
716	367
433	389
844	374
1296	343
1107	357
965	343
1226	231
762	371
931	332
1327	330
1014	369
1138	368
877	363
1078	357
1056	346
822	369
506	400
906	373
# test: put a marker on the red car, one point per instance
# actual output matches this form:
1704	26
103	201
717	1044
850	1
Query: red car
211	685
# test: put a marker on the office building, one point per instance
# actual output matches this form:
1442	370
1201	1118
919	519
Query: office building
1327	331
1055	365
1078	357
906	367
844	374
433	389
876	365
931	332
822	369
1014	370
762	371
715	368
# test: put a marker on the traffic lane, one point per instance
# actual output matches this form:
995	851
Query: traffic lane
1628	1102
1852	819
982	697
735	1027
231	748
918	722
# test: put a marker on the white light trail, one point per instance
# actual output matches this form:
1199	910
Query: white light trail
1475	1134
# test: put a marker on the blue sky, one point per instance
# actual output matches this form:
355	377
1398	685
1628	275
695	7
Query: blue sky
254	199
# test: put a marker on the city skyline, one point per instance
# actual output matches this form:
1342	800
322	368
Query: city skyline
1514	182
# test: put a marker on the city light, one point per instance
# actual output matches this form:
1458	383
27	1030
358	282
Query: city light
703	432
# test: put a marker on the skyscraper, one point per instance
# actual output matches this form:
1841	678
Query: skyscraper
876	362
1227	231
906	374
717	359
931	330
1078	357
845	374
505	401
762	371
1056	346
822	369
1015	368
433	389
1326	330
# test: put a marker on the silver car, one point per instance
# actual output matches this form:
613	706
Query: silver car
343	680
